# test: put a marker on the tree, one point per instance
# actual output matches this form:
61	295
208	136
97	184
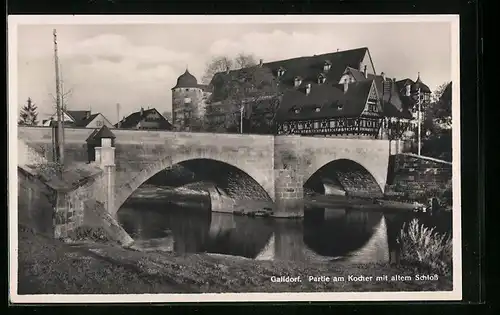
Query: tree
437	141
28	115
224	63
251	89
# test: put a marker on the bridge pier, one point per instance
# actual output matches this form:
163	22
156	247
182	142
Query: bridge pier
289	194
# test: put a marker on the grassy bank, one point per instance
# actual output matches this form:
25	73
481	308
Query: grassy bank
51	267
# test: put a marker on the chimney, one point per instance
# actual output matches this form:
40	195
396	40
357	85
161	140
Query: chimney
227	70
383	75
261	62
87	115
365	71
308	88
142	111
346	85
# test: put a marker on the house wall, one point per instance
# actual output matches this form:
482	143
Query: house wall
100	121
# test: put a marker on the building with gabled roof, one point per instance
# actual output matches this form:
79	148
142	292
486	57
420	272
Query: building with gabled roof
325	77
145	119
80	118
347	110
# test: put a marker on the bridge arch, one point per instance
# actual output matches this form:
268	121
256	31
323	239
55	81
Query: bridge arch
344	174
235	177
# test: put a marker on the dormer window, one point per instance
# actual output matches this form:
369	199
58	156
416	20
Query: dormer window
321	79
297	81
340	106
296	110
317	109
281	72
327	65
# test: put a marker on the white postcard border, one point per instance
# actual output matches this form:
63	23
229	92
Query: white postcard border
14	21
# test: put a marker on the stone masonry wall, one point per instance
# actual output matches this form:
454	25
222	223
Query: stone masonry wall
415	177
35	205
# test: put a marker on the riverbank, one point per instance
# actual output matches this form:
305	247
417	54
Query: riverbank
48	266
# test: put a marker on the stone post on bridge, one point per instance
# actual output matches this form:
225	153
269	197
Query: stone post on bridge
102	141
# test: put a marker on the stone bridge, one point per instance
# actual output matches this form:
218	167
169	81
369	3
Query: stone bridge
271	167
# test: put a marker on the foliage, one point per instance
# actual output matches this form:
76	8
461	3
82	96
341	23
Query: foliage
422	246
224	63
253	90
28	115
94	234
437	141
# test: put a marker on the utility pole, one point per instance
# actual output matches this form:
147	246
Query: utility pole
242	108
59	134
419	121
118	114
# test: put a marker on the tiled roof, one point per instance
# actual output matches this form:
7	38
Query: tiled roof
84	122
104	132
308	68
79	115
327	98
393	104
186	80
133	119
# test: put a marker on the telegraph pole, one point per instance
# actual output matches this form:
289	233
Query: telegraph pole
118	114
419	121
241	118
59	133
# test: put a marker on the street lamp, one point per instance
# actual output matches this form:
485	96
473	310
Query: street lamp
242	109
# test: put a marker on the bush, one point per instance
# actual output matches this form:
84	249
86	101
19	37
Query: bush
86	233
422	246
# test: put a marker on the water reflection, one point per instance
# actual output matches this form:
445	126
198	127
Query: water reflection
324	234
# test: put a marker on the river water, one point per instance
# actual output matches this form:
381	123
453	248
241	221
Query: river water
362	236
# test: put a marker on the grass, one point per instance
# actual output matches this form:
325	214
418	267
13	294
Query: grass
48	266
423	247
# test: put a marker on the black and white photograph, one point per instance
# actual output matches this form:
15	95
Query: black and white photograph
234	158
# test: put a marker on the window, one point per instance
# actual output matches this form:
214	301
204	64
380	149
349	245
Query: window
317	109
316	125
332	124
327	66
408	90
99	123
296	110
340	106
321	79
187	90
187	100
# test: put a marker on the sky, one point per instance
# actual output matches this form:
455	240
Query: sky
137	64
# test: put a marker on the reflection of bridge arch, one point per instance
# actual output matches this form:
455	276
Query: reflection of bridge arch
238	235
356	236
344	175
236	179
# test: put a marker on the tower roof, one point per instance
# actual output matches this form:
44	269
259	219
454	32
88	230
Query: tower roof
186	80
419	84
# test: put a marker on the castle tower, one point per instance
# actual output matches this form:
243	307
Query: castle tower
187	102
